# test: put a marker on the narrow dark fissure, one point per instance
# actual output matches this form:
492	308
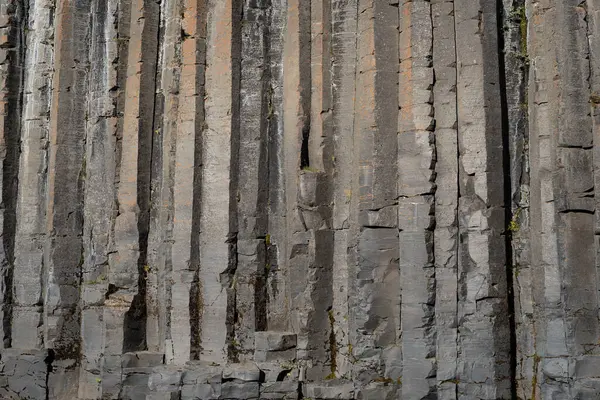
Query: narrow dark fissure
305	81
195	289
231	318
10	168
195	303
48	360
261	294
227	276
135	318
260	291
304	159
508	213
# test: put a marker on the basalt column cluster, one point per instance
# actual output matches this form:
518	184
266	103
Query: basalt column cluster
299	199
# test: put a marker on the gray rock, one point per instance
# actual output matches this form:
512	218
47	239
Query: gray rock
142	359
201	373
240	390
373	199
274	341
165	380
247	372
329	390
164	396
203	391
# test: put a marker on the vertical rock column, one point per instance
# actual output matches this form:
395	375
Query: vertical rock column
416	166
374	275
124	309
99	175
344	17
170	268
217	198
296	123
63	254
549	327
593	21
312	238
446	197
179	118
574	199
160	240
483	331
252	263
593	33
184	293
317	345
320	140
277	308
311	263
13	20
27	330
563	224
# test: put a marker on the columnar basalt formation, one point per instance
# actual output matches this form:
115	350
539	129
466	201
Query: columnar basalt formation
299	199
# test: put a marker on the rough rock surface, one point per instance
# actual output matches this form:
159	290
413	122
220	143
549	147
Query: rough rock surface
288	199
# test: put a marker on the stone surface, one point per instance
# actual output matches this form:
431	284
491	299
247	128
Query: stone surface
274	341
335	199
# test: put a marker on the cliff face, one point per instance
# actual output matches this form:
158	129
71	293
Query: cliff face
287	199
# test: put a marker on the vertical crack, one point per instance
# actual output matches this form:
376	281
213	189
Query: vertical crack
195	290
430	230
305	82
304	157
228	276
48	360
508	214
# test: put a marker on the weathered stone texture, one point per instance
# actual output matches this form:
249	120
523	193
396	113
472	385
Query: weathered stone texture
445	240
483	326
287	199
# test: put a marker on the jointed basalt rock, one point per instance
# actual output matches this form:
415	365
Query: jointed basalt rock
287	199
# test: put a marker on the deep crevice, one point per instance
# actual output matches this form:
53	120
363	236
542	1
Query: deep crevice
260	289
282	375
508	214
304	156
228	281
48	360
228	276
195	307
305	75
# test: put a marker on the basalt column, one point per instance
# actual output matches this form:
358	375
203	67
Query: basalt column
98	173
12	70
373	248
283	199
483	325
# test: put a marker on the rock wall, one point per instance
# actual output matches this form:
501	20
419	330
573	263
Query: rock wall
293	199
